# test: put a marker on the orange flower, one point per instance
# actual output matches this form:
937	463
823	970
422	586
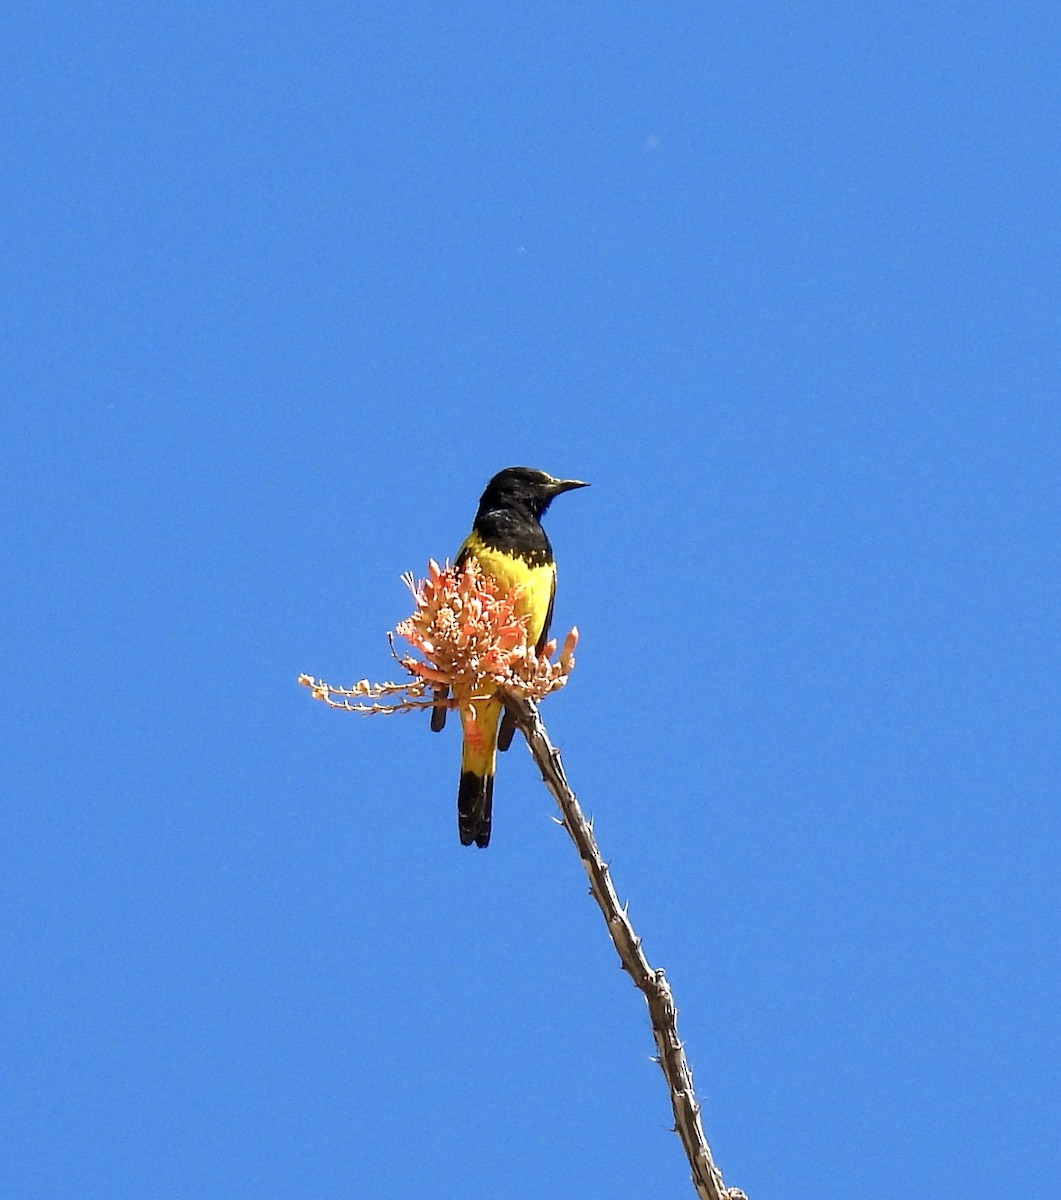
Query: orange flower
467	637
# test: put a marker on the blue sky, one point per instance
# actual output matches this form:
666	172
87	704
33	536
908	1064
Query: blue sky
283	286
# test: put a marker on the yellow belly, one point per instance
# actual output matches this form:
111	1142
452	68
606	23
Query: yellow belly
510	572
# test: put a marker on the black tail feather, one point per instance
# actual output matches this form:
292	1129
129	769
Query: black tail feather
475	802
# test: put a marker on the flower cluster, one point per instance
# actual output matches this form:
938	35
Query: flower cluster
469	638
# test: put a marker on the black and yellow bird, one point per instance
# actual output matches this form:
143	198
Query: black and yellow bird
509	543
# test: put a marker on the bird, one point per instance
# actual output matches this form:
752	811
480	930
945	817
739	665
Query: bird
509	544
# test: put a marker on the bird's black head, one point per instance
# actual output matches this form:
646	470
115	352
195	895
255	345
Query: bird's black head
526	488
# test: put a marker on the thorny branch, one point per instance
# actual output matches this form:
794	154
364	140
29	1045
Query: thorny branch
471	642
651	982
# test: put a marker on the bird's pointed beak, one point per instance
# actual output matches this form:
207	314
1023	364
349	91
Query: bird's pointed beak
565	485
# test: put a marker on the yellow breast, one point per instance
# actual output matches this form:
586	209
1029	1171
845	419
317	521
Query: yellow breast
510	572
